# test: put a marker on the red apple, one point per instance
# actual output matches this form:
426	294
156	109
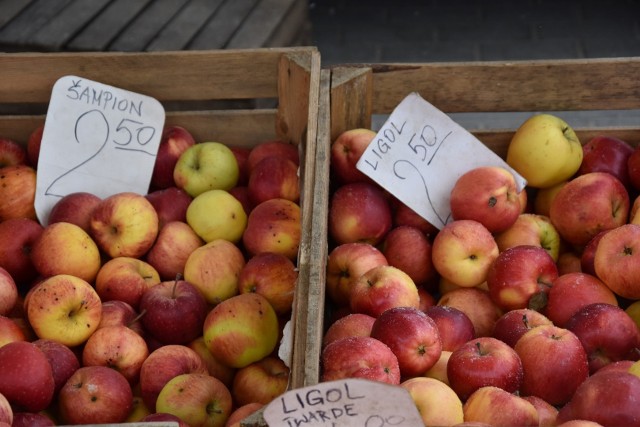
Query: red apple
351	325
412	336
409	249
95	395
125	279
274	226
27	379
170	203
587	205
518	274
587	256
274	177
477	305
169	253
242	412
75	208
216	368
481	362
487	194
260	382
64	361
345	152
174	311
173	142
6	411
12	153
607	333
617	260
8	292
17	237
554	362
31	419
33	145
547	413
480	409
120	313
359	212
513	324
404	215
359	357
242	157
10	331
272	148
605	153
454	327
382	288
17	192
241	193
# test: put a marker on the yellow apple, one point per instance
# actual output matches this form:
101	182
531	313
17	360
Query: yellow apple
206	166
545	151
216	214
437	403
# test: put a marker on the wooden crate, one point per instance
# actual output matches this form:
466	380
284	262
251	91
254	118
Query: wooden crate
189	85
360	91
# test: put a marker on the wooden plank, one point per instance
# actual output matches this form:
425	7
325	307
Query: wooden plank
60	29
223	25
18	31
102	30
141	31
261	24
186	24
10	9
564	85
351	90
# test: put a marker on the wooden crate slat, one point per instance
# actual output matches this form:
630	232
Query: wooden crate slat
261	24
221	27
350	99
32	18
10	9
139	33
102	30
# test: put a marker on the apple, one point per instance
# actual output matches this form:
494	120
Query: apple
404	215
616	260
33	145
439	370
482	407
518	274
157	417
487	194
197	399
164	363
634	218
241	192
484	361
587	256
17	192
6	411
174	311
607	398
95	395
531	229
272	275
477	305
241	330
215	368
170	203
572	291
270	148
437	403
454	326
216	214
588	204
75	208
547	413
12	153
409	249
120	313
359	212
347	262
607	333
240	413
27	380
206	166
569	262
274	226
412	336
381	288
605	153
116	347
174	141
17	236
351	325
359	357
463	251
10	331
31	419
64	308
345	152
260	381
214	269
242	157
126	279
544	197
64	361
514	323
554	361
274	177
8	292
544	150
169	253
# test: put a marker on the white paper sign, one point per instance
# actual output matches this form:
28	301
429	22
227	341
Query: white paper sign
98	139
419	154
345	403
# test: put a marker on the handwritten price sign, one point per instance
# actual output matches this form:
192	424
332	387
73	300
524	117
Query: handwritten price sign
418	155
98	139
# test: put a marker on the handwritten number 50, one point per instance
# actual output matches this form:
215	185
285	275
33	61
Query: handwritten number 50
143	134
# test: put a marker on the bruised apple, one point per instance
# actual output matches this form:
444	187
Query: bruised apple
274	226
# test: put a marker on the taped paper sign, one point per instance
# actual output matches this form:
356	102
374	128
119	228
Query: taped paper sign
418	155
97	139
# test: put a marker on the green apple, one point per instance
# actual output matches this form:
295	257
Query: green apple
216	214
206	166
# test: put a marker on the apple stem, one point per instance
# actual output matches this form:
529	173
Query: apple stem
525	320
175	285
138	317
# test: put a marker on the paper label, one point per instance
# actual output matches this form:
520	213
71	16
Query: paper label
419	154
345	403
97	139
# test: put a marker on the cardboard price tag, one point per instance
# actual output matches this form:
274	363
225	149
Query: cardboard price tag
345	403
418	155
97	139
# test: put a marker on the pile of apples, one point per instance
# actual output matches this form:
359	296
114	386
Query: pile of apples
168	306
523	310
